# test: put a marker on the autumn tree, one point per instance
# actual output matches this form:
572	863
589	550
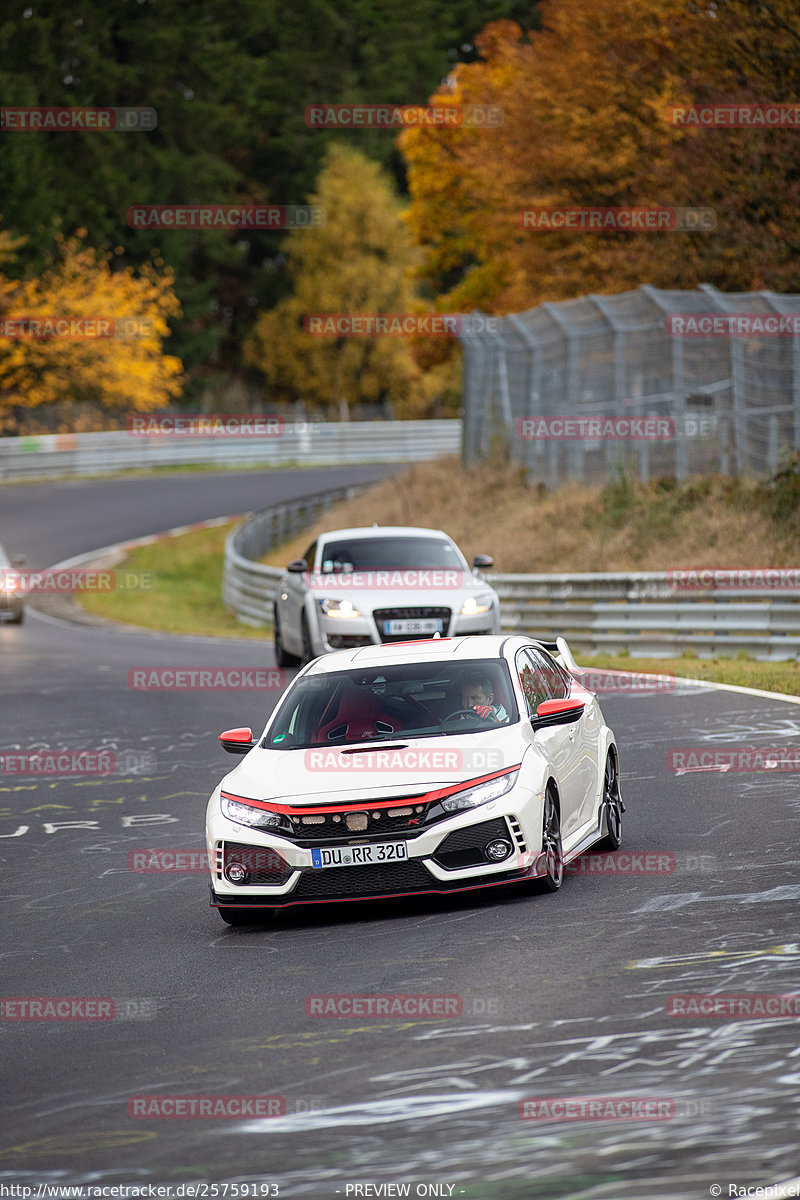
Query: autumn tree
230	83
362	260
585	105
123	370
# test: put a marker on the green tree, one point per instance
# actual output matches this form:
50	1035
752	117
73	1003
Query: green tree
361	261
230	84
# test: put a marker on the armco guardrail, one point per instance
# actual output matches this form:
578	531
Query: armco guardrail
248	586
640	612
635	611
321	443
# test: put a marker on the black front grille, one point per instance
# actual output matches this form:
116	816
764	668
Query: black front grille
422	613
381	823
464	848
264	865
377	880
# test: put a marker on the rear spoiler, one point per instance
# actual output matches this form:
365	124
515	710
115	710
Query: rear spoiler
560	651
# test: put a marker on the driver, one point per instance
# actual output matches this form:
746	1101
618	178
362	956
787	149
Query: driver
477	693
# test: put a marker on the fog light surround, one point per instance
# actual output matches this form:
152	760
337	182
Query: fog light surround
236	873
497	850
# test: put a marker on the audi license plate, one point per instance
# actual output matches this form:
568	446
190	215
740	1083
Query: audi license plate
407	625
359	856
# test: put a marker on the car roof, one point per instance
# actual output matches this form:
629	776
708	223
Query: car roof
380	531
444	650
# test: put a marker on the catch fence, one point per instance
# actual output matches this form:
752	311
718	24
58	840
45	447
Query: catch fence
726	400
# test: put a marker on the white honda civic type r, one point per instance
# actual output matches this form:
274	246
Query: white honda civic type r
428	767
368	586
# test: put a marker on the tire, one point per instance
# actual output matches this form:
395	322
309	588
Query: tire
246	916
611	807
282	657
18	618
551	845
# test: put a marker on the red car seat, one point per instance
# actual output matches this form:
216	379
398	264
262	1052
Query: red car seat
359	715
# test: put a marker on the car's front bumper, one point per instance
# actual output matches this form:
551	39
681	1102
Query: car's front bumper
334	633
445	857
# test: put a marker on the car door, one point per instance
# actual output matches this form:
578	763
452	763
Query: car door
291	601
540	680
586	737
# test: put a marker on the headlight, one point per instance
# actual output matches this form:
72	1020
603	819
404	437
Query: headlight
8	583
481	794
345	609
242	813
474	605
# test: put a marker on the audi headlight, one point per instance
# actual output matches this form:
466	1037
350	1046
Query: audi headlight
8	583
474	605
238	810
481	794
344	609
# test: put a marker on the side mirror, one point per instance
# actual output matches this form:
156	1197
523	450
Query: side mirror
237	741
297	566
18	562
482	562
557	712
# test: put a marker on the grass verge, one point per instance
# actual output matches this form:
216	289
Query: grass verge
623	526
187	596
740	671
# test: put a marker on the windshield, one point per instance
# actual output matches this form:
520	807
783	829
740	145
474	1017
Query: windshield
386	703
369	554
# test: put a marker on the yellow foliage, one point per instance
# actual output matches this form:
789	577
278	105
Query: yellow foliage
126	372
583	102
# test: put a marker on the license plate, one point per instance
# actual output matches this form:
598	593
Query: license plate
411	626
359	856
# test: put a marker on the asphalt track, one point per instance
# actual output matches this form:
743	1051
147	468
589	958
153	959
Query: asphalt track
561	996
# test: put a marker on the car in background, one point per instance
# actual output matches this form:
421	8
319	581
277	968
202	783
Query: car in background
377	776
12	599
379	584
